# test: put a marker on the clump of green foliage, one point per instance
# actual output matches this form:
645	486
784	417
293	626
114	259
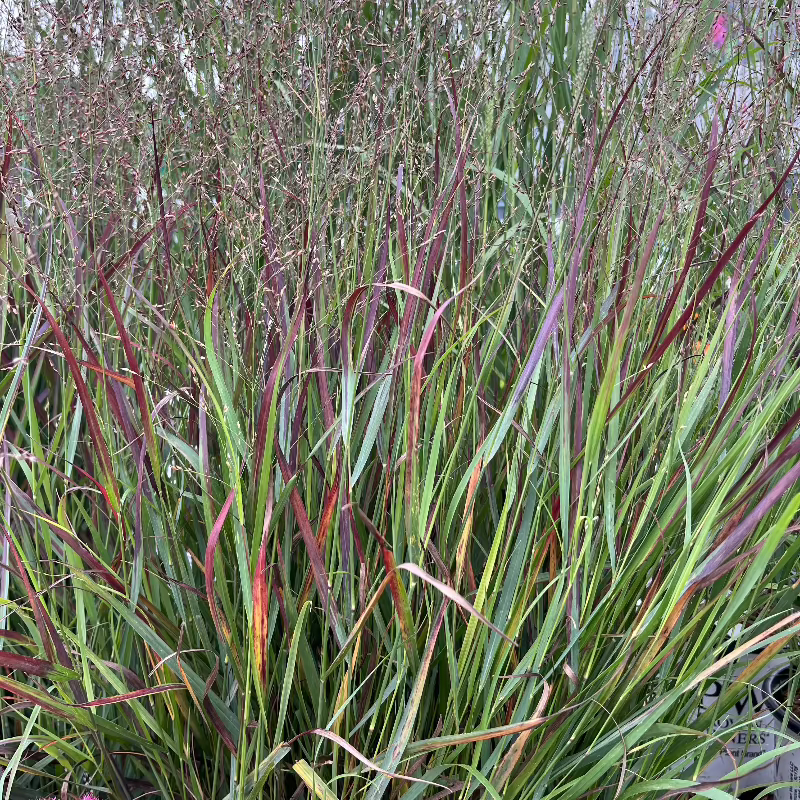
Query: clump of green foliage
398	399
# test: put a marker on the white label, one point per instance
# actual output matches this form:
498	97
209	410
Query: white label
746	742
787	767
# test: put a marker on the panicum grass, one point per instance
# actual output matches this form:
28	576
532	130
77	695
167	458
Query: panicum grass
398	399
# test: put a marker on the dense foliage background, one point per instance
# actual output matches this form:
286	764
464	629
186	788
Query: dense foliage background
399	399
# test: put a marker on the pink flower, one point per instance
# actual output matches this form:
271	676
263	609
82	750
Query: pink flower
719	31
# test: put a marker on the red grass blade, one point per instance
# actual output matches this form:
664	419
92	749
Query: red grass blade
713	153
413	425
269	389
348	380
108	373
548	326
328	510
749	523
51	641
314	554
135	695
213	540
144	410
216	720
703	290
401	227
142	241
380	277
261	614
88	407
38	667
74	714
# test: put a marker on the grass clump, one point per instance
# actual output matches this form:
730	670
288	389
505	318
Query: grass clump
400	400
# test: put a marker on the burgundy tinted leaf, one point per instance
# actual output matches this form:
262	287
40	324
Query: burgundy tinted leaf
135	695
51	640
219	726
14	636
392	580
380	277
328	510
749	523
548	326
130	676
348	387
314	554
85	554
142	241
43	699
429	255
30	666
438	249
713	152
297	424
108	373
269	389
704	289
36	606
116	398
789	452
211	679
216	721
83	392
144	410
401	227
261	614
785	429
213	540
732	394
